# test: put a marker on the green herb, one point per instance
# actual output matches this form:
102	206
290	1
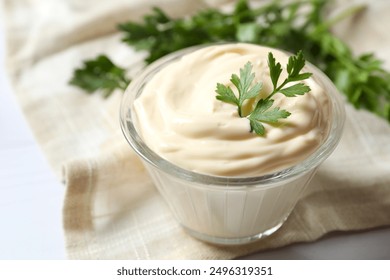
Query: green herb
294	66
289	25
263	111
100	74
243	85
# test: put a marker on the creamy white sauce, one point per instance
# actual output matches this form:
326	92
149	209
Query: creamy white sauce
180	119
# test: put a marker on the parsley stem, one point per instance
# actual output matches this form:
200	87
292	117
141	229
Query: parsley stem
276	90
240	111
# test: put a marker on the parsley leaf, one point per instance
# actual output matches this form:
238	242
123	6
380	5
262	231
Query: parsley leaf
243	85
275	70
297	89
226	94
100	74
295	65
263	111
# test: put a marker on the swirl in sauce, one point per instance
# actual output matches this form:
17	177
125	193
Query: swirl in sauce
180	119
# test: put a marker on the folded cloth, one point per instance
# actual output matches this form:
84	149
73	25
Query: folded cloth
111	208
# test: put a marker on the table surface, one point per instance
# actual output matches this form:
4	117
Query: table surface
31	199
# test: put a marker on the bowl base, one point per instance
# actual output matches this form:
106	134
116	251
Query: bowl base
235	240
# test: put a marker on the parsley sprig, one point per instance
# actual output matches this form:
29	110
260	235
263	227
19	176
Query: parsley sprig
263	111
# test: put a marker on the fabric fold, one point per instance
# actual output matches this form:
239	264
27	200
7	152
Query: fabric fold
40	29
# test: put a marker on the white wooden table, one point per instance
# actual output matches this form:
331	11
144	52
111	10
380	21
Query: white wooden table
31	201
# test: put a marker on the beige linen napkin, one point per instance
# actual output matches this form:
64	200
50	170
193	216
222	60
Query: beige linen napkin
111	208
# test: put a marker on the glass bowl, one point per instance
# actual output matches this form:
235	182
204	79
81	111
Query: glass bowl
228	210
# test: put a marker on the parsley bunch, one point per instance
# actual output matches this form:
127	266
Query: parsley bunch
263	111
288	25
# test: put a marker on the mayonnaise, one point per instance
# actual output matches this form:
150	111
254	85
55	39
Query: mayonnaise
180	119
